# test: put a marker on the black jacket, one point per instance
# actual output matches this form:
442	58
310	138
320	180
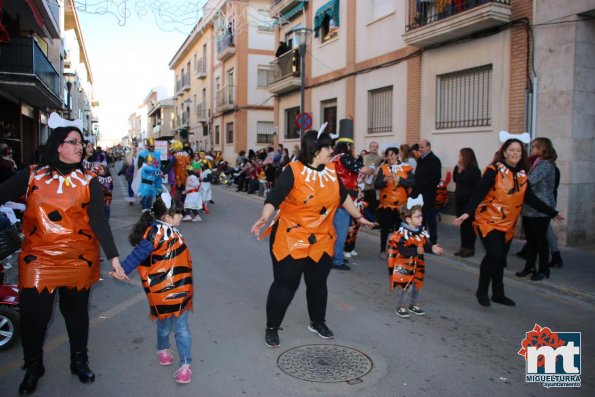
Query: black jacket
466	182
427	177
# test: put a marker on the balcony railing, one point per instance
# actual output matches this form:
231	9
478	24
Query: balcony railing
225	98
183	84
22	56
438	21
201	112
201	68
283	6
226	47
285	73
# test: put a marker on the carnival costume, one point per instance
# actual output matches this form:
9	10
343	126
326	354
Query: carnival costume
165	269
181	162
405	265
57	226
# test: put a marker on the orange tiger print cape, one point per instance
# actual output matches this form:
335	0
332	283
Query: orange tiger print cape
406	270
167	274
182	161
304	227
59	249
394	196
501	207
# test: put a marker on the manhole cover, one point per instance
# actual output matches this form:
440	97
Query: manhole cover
325	363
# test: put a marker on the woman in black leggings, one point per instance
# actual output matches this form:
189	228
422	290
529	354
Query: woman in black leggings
497	204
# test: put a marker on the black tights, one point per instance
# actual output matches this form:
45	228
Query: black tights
389	220
536	231
492	265
36	310
287	276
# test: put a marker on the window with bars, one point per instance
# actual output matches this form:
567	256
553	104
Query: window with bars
291	130
229	133
264	132
264	72
463	98
217	134
380	110
329	115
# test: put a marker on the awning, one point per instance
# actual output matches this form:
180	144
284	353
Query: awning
291	13
331	10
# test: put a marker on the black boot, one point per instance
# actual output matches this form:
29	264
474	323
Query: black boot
499	297
34	370
525	272
79	365
523	252
556	260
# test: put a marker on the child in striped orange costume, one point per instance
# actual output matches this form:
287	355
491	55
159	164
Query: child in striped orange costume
406	264
165	269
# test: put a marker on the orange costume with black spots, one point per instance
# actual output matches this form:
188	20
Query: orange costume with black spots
60	249
406	269
167	274
393	195
182	161
501	207
304	224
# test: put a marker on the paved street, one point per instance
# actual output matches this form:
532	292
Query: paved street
459	348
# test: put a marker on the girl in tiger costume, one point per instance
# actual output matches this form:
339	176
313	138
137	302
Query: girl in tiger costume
165	269
406	264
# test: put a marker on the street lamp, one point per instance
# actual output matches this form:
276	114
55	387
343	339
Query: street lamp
301	37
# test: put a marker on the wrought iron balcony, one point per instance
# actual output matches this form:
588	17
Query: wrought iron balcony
226	47
436	22
201	68
201	112
280	7
225	99
286	75
27	73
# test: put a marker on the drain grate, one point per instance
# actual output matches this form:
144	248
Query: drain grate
325	363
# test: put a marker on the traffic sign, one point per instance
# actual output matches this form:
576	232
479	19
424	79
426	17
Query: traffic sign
303	121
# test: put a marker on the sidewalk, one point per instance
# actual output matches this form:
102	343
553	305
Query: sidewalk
575	279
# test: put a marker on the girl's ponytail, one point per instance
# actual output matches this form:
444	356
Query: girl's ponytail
138	231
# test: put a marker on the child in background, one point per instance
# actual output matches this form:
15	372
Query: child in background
406	265
165	268
150	184
107	186
193	201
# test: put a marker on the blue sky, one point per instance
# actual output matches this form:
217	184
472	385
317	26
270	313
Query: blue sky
128	61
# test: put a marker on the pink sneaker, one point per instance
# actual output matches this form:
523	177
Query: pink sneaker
166	357
184	374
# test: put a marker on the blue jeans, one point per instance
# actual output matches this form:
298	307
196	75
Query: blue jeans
130	191
182	333
146	202
341	224
404	294
107	210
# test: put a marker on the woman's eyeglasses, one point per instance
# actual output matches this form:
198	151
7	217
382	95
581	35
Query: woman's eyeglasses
74	142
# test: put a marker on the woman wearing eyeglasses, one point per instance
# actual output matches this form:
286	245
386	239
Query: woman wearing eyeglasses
63	224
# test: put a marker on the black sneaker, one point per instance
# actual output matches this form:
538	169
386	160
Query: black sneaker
342	267
321	329
416	310
271	337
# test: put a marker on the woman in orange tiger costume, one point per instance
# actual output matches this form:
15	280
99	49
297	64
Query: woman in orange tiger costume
406	264
393	180
307	194
165	269
497	203
64	223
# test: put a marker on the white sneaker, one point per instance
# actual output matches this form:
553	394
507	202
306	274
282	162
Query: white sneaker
347	254
354	253
187	218
197	219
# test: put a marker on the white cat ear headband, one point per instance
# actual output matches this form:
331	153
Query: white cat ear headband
56	121
166	197
412	202
524	137
321	130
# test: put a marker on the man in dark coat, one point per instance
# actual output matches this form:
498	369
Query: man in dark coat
427	177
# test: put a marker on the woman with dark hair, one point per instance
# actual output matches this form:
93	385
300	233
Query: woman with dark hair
306	196
496	203
542	178
407	156
64	223
466	177
393	180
